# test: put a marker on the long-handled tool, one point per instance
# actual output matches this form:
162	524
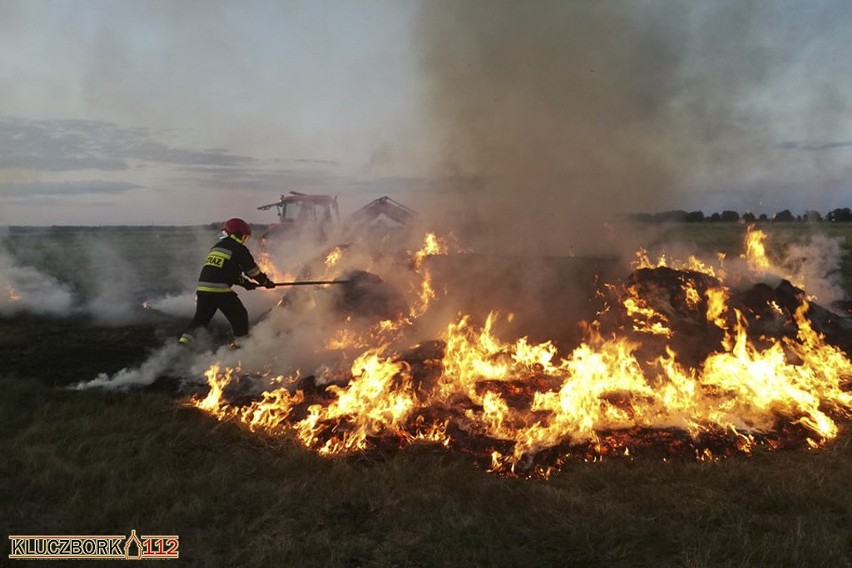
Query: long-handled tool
311	282
249	285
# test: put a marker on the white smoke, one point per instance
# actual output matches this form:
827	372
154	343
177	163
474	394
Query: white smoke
111	283
27	289
159	363
814	265
180	305
281	343
270	340
288	340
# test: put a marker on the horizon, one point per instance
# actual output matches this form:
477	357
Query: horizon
657	216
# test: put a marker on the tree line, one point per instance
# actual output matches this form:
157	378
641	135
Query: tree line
843	215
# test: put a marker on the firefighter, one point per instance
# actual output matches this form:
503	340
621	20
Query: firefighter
229	262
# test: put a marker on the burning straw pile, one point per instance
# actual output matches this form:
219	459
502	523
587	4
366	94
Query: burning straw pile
677	363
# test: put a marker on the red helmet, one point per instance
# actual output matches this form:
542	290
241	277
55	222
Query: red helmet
237	227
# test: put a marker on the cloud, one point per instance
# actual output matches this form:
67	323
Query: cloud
258	178
64	188
153	151
275	181
58	146
814	146
73	145
317	162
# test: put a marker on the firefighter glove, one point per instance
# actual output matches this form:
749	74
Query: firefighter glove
264	280
245	283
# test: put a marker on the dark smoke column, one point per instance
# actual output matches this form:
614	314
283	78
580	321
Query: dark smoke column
552	108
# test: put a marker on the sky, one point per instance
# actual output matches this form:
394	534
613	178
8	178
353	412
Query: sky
190	112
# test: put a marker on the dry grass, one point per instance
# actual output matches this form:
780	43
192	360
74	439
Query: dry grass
93	462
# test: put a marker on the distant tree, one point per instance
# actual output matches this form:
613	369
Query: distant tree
715	217
783	216
763	217
748	217
840	215
694	217
813	216
730	216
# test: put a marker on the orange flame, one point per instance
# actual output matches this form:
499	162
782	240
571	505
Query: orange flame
755	250
512	402
425	292
267	265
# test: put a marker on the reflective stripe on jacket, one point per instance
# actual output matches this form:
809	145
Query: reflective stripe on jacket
225	262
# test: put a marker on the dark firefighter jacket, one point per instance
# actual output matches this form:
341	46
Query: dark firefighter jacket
225	264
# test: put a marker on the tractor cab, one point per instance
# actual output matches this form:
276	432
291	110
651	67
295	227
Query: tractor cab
301	213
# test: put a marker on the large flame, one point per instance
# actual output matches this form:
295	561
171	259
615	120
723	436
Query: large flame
267	266
524	407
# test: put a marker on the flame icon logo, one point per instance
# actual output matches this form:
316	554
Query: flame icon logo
133	547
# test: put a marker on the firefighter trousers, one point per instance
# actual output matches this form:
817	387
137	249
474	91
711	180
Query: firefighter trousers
228	303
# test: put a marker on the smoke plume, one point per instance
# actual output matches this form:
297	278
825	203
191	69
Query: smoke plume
557	116
549	108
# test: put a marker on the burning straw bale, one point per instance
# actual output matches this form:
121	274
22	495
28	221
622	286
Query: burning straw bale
367	295
357	293
680	299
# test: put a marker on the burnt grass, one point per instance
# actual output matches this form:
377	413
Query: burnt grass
96	462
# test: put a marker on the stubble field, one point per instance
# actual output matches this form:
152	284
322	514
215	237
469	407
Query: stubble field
96	462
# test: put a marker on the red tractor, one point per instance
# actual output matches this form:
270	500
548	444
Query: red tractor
301	213
304	216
